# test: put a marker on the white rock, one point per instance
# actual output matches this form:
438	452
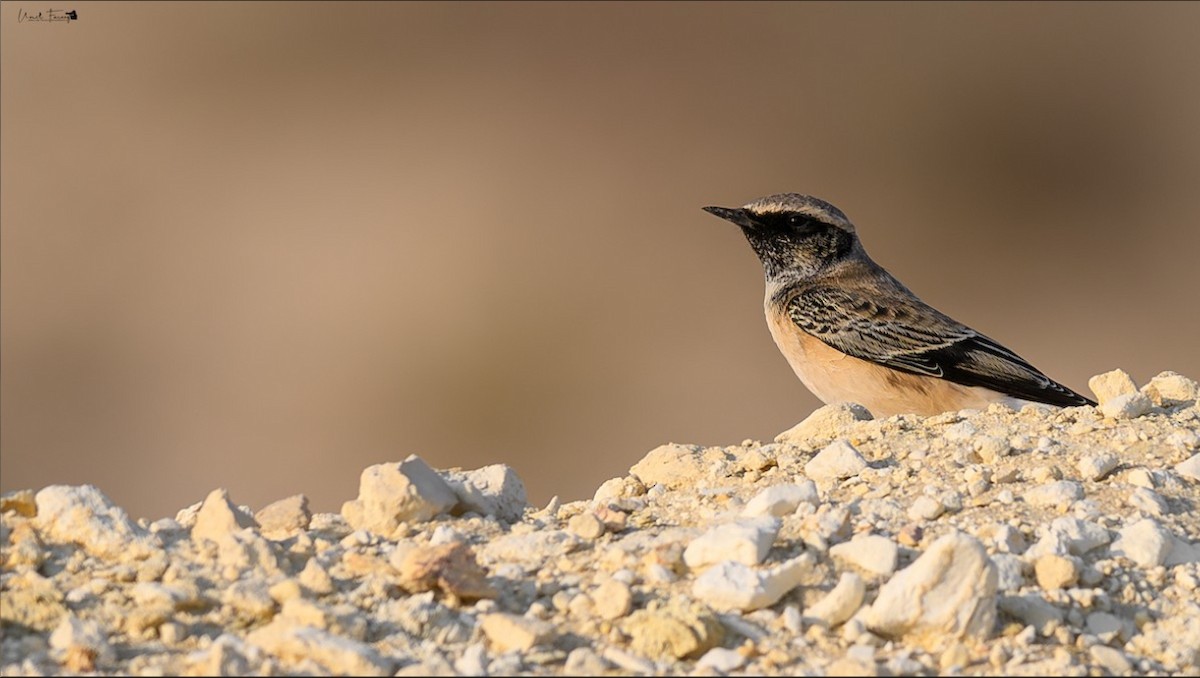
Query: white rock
841	603
219	517
83	515
730	585
721	660
670	465
1111	385
532	547
925	508
872	553
1111	659
512	632
1103	623
295	644
781	500
612	599
83	642
1010	572
1147	501
746	541
837	461
950	591
1058	493
824	423
1096	466
389	494
1170	388
494	490
1128	406
1190	467
287	516
1068	536
1144	542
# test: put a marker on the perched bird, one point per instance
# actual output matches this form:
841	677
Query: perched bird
853	333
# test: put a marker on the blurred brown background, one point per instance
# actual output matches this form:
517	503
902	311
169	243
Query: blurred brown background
264	246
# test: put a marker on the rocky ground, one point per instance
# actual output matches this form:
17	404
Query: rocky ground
1051	542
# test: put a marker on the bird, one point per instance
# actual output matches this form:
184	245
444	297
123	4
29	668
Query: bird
854	333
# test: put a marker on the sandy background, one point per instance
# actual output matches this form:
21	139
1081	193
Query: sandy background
264	246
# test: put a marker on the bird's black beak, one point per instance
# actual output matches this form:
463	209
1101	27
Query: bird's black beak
737	215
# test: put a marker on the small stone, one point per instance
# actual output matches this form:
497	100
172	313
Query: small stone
612	599
218	517
1111	385
954	657
295	644
1128	406
925	508
1032	610
992	448
730	585
1189	468
841	603
286	517
1061	493
583	661
839	460
676	630
1010	571
1111	659
781	500
670	465
451	568
825	423
873	554
721	660
1105	625
389	494
950	591
746	541
494	490
1168	389
315	578
1096	466
586	526
1144	542
510	632
84	516
1148	501
1056	572
80	645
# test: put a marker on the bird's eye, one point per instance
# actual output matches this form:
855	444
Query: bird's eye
796	221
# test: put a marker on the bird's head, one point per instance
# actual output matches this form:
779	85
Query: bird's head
795	236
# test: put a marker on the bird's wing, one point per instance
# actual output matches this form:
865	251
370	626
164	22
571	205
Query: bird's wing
908	335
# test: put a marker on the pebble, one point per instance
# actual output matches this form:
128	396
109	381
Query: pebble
949	591
586	525
612	599
509	632
219	517
1060	493
873	554
295	644
837	461
1056	572
83	515
1189	468
288	516
393	493
825	423
925	508
746	541
1127	406
1148	501
730	585
494	490
1112	659
781	500
672	631
1096	466
1144	542
841	603
1168	389
721	660
1111	385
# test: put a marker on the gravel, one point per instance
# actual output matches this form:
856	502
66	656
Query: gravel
1039	541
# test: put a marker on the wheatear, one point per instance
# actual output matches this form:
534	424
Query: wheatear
853	333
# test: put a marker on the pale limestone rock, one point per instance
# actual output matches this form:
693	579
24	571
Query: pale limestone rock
670	465
494	490
841	603
1168	389
1032	610
1111	659
1010	572
873	554
950	591
616	489
389	494
509	632
1068	536
1127	406
746	541
83	515
925	508
1111	385
612	599
1096	466
837	461
583	661
80	645
287	516
532	547
1148	501
730	585
824	423
1058	493
674	630
586	525
1056	572
1190	467
450	567
1144	542
721	660
218	518
781	500
293	644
